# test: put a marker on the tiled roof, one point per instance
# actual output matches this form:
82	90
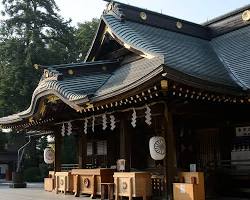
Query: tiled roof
76	90
187	54
73	90
222	61
233	50
129	76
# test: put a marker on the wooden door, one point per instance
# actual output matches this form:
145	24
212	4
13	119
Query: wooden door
207	143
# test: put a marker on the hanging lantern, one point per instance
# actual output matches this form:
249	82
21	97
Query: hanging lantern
157	147
49	155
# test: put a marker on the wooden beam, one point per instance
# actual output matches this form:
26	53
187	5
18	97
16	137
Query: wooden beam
124	141
58	144
82	150
171	168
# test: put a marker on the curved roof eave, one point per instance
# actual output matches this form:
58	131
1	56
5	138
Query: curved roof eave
38	94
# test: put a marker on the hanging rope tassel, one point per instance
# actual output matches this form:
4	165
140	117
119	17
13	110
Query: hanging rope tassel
104	122
69	128
148	117
85	125
93	124
112	122
63	130
133	119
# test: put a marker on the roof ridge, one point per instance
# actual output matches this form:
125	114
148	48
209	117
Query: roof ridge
81	64
143	16
151	12
226	15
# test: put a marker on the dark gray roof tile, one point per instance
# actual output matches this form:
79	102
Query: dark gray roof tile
233	50
129	76
187	54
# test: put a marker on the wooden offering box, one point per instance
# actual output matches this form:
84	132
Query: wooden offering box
88	181
64	182
192	187
49	183
132	184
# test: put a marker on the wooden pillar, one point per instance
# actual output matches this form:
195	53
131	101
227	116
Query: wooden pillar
124	141
82	150
58	144
171	168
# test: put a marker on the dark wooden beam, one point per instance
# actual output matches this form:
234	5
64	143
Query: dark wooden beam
117	53
82	150
58	143
171	168
124	141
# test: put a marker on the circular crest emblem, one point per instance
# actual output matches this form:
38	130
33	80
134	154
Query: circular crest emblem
246	15
179	25
86	182
124	185
159	146
143	15
61	182
70	72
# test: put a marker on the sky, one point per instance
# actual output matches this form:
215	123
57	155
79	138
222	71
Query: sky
197	11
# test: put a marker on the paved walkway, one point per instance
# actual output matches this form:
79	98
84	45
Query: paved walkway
34	191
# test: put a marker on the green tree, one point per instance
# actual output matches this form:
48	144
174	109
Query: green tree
33	33
84	36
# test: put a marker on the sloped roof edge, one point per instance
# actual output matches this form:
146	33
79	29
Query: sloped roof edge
224	16
42	91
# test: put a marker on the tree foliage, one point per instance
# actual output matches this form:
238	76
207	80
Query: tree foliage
84	36
34	33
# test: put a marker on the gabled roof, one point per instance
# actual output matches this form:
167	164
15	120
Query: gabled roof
185	47
190	55
186	52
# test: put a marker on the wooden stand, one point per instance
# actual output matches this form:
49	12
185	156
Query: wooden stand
110	187
192	188
49	183
132	184
88	181
64	182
